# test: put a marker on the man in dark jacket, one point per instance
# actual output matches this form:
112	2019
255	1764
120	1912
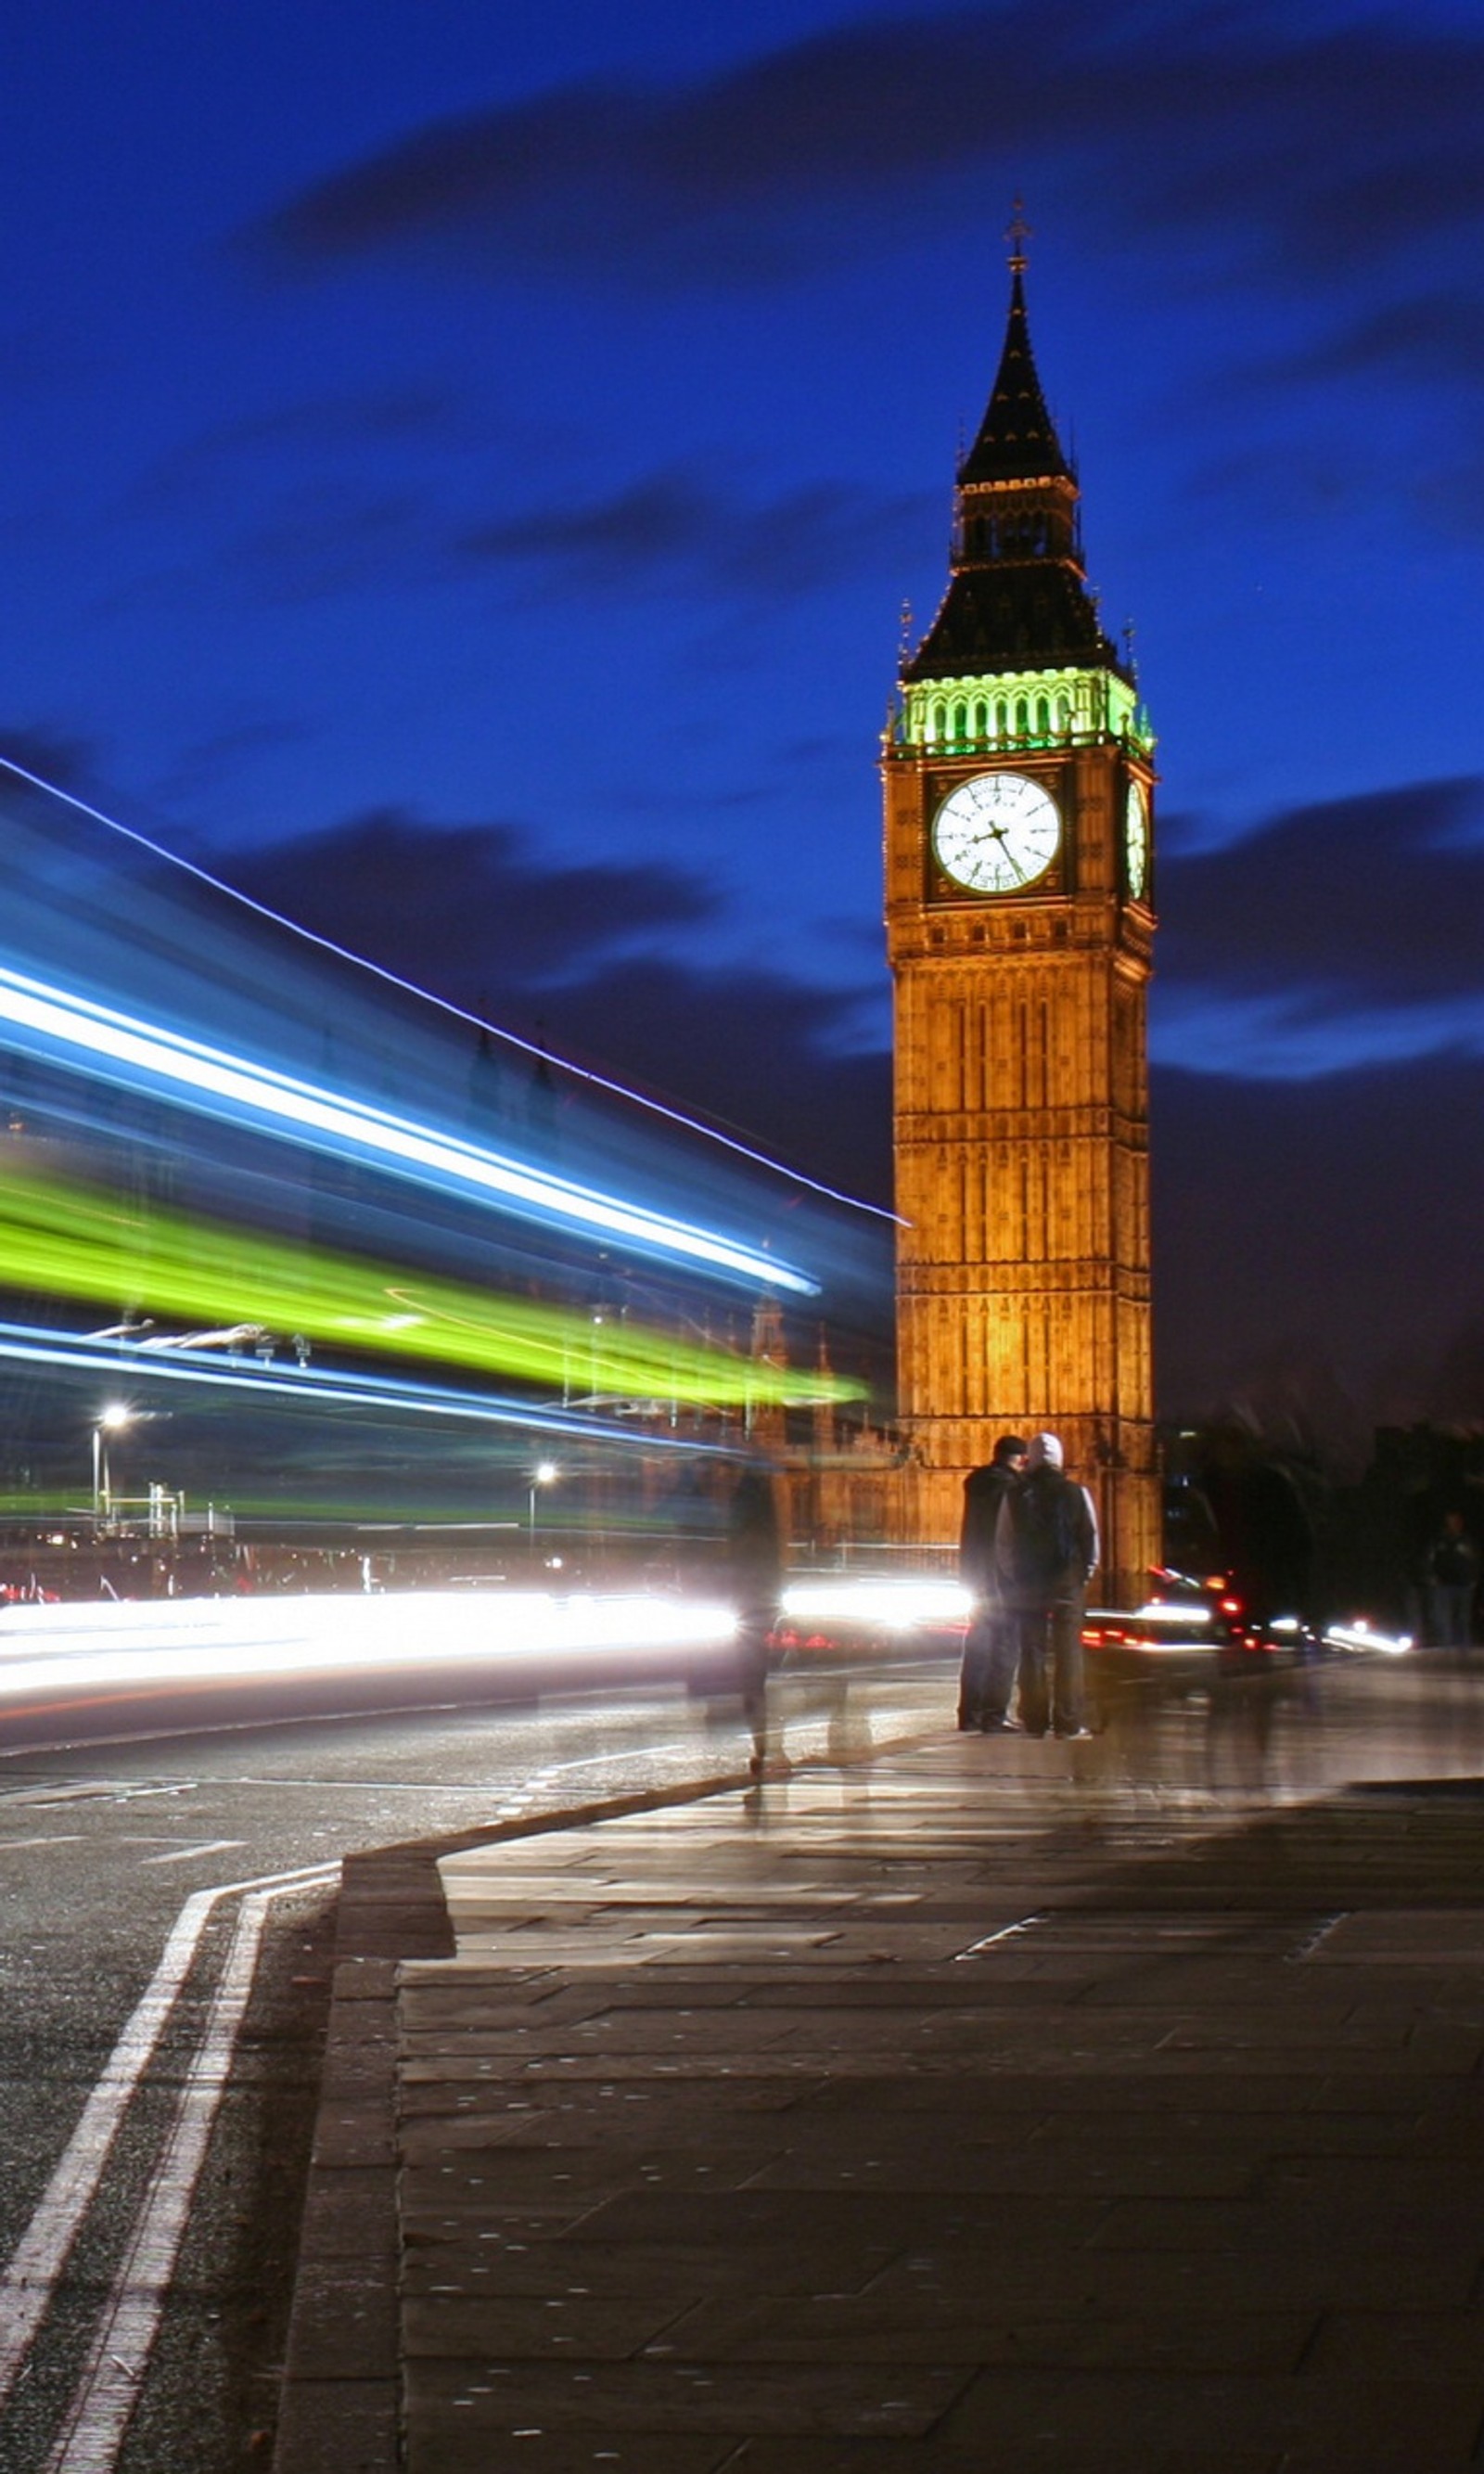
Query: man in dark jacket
989	1644
1046	1552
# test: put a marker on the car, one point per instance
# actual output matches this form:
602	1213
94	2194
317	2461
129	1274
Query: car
1189	1636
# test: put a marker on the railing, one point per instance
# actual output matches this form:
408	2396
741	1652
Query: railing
896	743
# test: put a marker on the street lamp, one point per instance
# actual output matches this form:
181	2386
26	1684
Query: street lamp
544	1473
108	1421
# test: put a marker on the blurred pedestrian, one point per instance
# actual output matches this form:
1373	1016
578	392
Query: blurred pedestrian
987	1674
754	1555
1452	1576
1046	1552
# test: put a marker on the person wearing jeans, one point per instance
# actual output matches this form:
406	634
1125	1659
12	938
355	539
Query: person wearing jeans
1046	1552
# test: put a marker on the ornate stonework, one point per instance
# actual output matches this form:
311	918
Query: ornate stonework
1021	1117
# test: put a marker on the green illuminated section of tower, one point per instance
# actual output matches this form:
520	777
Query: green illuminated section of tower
1024	708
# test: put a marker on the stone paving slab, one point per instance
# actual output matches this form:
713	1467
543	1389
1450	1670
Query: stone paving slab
957	2112
459	2250
1068	2338
1202	2176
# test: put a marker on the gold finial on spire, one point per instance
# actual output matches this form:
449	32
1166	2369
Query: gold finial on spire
1017	234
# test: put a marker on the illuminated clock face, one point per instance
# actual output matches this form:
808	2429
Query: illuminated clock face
1135	842
997	833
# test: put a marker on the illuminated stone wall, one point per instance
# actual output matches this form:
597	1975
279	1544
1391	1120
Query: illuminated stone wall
1021	1132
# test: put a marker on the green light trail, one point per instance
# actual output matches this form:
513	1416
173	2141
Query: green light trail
69	1240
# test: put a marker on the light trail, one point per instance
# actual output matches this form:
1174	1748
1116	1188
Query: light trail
122	1048
173	1642
167	1645
887	1604
67	1239
613	1089
319	1388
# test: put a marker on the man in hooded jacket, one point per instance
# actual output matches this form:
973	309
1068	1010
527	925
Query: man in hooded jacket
1046	1552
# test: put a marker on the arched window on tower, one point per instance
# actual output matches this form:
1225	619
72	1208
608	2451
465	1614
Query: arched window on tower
939	725
981	720
1022	718
961	723
1042	718
1063	715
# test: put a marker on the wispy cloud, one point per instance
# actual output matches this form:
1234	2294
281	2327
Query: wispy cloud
1340	932
473	909
675	519
1290	143
593	959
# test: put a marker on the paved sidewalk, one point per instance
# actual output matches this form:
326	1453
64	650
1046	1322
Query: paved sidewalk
964	2109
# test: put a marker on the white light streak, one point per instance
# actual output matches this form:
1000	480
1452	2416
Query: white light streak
895	1604
165	1644
441	1004
211	1077
1359	1636
34	1346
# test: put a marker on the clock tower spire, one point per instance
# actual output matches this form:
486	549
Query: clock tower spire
1018	779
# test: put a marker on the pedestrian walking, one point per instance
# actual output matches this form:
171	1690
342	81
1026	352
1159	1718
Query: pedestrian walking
1046	1552
987	1674
754	1554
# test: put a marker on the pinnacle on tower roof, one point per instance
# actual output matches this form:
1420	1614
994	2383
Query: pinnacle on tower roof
1018	597
1017	439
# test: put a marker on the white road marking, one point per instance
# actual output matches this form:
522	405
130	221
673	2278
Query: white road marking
185	1854
92	2431
389	1788
57	1838
1007	1932
78	1791
38	2258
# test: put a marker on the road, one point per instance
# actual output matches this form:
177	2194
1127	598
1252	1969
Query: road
158	2062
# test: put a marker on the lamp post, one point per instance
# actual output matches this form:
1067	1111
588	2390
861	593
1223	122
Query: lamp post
108	1421
544	1473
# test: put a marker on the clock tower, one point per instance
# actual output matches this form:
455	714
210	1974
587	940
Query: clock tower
1018	773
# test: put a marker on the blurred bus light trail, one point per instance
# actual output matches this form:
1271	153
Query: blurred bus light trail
141	1055
62	1238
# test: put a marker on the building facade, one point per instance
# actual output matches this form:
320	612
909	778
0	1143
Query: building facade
1018	774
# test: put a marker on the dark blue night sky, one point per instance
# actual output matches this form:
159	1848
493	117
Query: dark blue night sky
463	464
